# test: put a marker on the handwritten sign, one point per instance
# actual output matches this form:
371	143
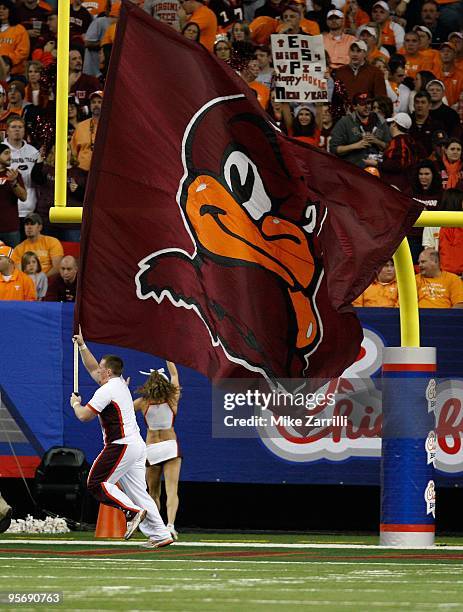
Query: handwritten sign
299	63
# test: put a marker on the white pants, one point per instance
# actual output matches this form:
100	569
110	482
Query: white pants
125	464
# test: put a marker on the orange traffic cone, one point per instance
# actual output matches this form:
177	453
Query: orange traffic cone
111	523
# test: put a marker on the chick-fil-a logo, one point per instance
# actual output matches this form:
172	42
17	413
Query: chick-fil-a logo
448	410
357	399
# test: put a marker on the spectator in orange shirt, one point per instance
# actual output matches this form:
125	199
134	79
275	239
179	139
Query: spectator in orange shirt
354	17
336	42
451	240
249	73
430	57
451	249
262	28
83	139
449	73
197	11
383	291
392	34
14	284
414	60
371	34
14	41
48	249
437	288
294	23
451	199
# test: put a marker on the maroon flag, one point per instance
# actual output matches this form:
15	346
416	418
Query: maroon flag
211	239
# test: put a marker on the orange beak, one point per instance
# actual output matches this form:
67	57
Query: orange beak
224	228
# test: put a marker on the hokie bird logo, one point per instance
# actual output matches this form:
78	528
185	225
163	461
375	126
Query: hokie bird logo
247	227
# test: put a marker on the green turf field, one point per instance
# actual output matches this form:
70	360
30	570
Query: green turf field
233	572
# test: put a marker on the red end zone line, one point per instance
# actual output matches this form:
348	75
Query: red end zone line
408	528
409	367
243	554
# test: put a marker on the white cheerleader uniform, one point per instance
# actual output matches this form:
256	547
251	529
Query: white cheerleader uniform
160	416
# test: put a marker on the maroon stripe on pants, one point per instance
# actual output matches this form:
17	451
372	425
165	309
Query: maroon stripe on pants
104	465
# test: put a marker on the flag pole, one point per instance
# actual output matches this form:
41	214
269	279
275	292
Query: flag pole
76	368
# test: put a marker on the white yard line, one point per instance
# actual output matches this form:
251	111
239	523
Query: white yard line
221	544
156	559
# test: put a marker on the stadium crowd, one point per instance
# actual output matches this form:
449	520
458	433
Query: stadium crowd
395	108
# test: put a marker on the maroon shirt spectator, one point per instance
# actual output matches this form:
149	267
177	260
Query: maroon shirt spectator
359	76
399	157
80	84
227	12
62	287
272	8
43	176
423	125
11	188
33	17
44	46
79	21
440	111
426	187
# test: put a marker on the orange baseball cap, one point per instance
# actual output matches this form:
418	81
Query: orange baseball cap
5	251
